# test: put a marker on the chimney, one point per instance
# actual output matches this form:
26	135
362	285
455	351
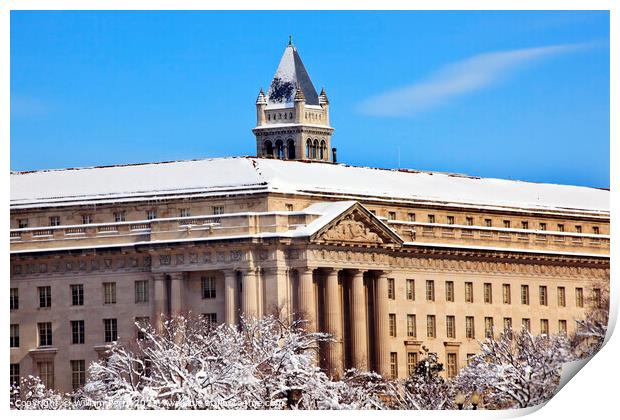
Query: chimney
334	155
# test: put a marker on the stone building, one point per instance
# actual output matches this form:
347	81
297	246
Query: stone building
385	260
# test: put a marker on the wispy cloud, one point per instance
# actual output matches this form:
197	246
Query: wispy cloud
457	79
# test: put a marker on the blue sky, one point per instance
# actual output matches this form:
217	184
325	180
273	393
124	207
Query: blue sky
520	95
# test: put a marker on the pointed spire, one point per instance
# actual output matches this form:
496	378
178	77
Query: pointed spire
323	97
290	73
299	94
261	98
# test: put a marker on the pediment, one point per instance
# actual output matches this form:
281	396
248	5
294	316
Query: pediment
357	226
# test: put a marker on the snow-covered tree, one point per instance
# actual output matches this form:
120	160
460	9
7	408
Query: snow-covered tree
31	394
517	369
590	332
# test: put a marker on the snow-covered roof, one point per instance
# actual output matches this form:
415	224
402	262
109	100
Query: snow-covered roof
247	174
291	73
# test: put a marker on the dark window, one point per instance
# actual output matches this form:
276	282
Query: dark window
141	291
14	374
208	287
77	332
110	330
14	335
45	297
14	298
78	373
45	334
77	294
54	220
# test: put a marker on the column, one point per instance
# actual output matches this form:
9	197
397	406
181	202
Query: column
382	324
333	323
230	297
159	300
359	330
307	298
249	304
177	291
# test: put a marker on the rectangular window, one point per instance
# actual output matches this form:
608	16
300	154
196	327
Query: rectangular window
542	226
184	213
141	291
470	331
142	323
488	327
54	220
394	365
560	227
449	291
469	221
562	329
507	325
543	295
14	298
46	373
77	294
45	296
430	290
78	373
525	294
544	326
151	214
392	320
526	324
431	331
289	207
450	220
411	217
451	367
469	292
412	362
22	223
110	330
431	218
211	318
14	335
119	216
77	332
208	287
506	295
392	215
579	297
14	374
578	229
488	293
410	289
109	293
87	219
391	291
488	222
525	225
450	326
561	296
218	209
45	333
596	298
507	224
596	230
411	327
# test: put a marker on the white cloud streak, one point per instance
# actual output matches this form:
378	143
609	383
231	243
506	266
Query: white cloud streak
457	79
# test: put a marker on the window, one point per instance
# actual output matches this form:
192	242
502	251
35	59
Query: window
14	298
184	213
469	221
411	327
218	209
488	293
14	335
77	294
525	225
78	373
449	291
560	227
430	326
562	329
289	207
507	224
488	327
208	287
410	289
561	296
87	219
45	333
525	294
469	292
451	365
412	362
542	290
45	297
470	332
488	222
507	325
46	373
391	292
525	323
544	326
579	297
430	290
596	298
14	374
470	357
431	218
411	217
392	215
578	228
542	226
54	220
151	214
596	230
141	322
392	320
109	293
77	332
119	216
506	296
110	330
22	223
450	326
141	291
450	220
394	365
211	318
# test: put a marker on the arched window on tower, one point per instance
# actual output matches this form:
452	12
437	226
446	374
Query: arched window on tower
268	149
290	148
323	150
308	149
279	149
315	149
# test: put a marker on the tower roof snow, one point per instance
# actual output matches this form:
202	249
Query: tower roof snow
291	73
